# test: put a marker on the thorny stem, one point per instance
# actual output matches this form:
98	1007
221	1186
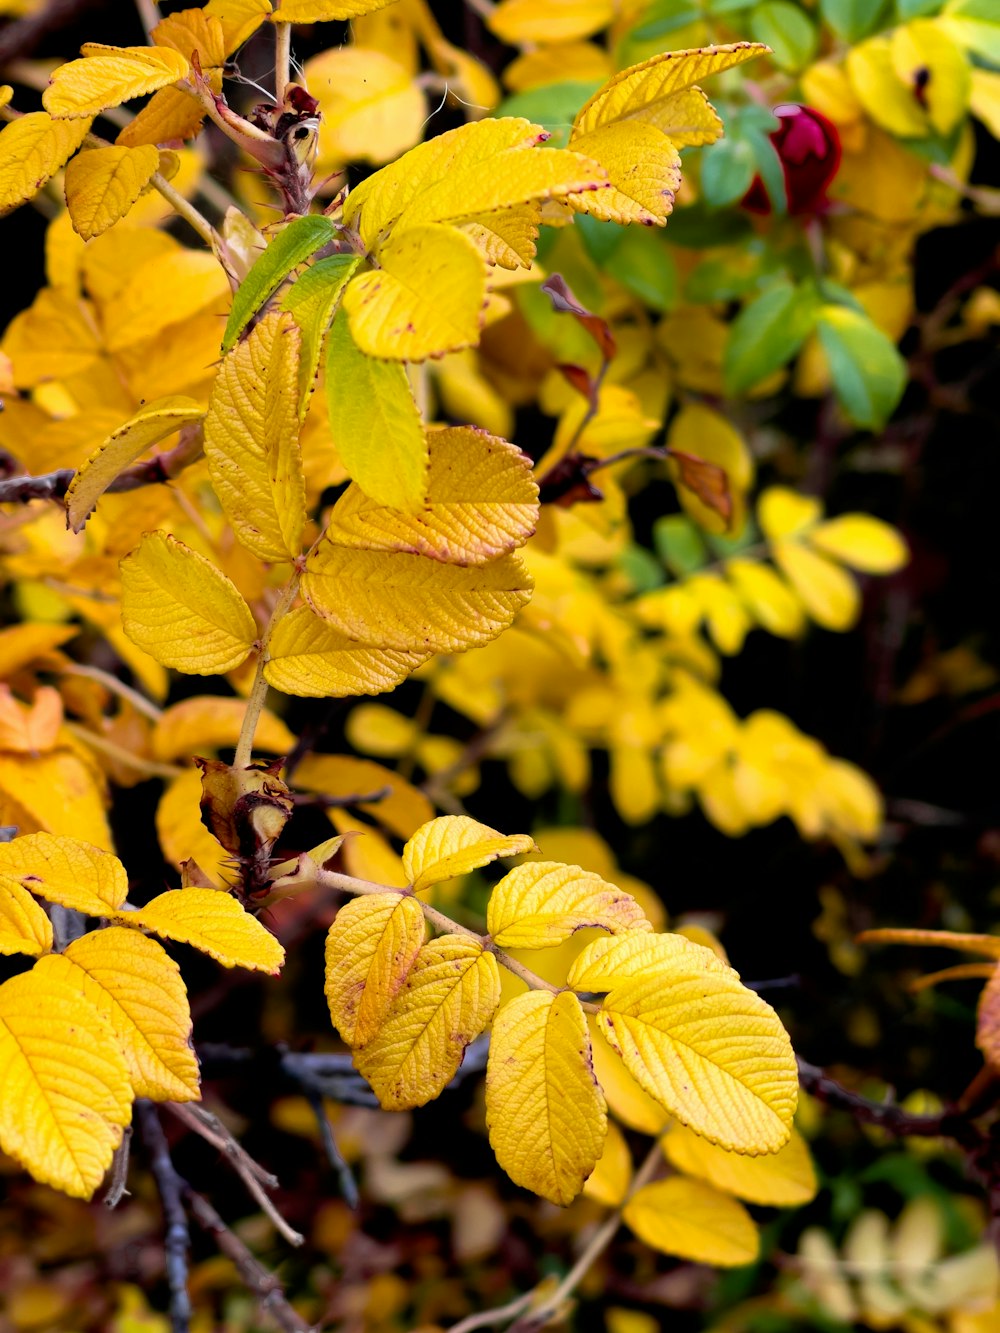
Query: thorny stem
282	60
258	691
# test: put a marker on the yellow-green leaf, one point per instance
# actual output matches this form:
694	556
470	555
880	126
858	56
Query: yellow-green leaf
693	1221
380	200
374	422
410	603
213	922
782	512
66	871
481	502
252	440
862	542
826	590
312	300
308	657
923	50
152	423
610	1180
103	184
320	11
137	987
643	166
110	76
544	1108
647	92
370	950
32	149
450	995
783	1179
182	610
66	1090
768	597
542	903
24	926
425	299
454	845
709	1051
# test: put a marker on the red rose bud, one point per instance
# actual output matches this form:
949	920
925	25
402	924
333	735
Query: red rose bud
809	148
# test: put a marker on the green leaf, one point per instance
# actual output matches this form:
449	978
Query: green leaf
374	422
600	239
916	9
554	107
727	171
291	247
698	228
771	171
640	567
312	301
732	274
868	373
975	24
644	266
664	17
789	33
767	333
679	544
851	19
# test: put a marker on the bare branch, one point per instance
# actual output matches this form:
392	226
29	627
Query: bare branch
177	1241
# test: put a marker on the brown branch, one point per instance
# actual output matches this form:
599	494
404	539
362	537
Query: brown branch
177	1240
946	1123
116	1190
263	1284
21	37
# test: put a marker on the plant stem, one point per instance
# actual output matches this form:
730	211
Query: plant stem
190	214
138	701
258	691
282	60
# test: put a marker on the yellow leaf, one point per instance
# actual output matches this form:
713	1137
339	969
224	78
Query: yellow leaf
783	1179
542	903
376	791
410	603
380	200
984	100
240	19
370	950
182	610
988	1020
372	107
213	922
21	645
375	424
66	1087
605	963
515	176
482	502
545	1111
183	836
708	1050
784	513
24	927
578	61
193	30
862	542
450	995
151	424
925	56
110	76
627	1100
648	92
507	237
137	988
769	599
827	591
938	939
425	299
881	92
103	184
169	289
643	166
30	728
320	11
208	722
693	1221
169	114
453	845
56	793
308	657
67	871
252	440
522	21
32	149
612	1176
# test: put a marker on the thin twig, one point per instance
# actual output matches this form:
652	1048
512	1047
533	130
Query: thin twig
348	1185
258	691
148	16
138	701
489	1318
177	1240
151	768
282	60
258	1280
116	1190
